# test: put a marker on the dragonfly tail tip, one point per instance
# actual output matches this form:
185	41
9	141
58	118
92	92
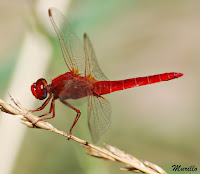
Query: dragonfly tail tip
178	74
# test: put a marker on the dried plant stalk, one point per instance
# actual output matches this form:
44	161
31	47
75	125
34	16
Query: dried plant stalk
110	153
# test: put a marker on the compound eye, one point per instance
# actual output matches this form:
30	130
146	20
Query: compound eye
33	90
41	89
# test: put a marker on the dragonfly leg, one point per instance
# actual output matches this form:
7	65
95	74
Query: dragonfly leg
52	108
50	111
43	105
77	115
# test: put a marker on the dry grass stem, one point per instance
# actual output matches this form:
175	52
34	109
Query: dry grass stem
110	153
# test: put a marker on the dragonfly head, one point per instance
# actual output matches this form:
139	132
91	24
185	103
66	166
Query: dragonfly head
39	89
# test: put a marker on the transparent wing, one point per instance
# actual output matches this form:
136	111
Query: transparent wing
91	65
71	46
99	116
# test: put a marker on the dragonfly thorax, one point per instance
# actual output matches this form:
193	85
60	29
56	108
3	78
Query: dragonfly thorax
40	89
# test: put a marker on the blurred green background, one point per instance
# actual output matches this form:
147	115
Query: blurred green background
158	123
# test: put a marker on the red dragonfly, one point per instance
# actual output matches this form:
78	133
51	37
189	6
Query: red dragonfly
84	79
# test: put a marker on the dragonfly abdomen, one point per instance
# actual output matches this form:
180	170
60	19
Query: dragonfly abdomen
105	87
